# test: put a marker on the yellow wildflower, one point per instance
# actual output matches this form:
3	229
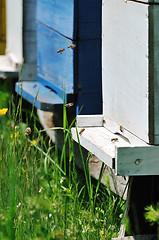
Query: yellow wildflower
16	135
34	142
3	111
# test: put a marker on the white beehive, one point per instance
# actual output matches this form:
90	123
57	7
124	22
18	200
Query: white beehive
131	66
20	40
125	135
9	63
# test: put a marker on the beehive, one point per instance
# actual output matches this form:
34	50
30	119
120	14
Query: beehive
68	56
125	135
131	66
20	38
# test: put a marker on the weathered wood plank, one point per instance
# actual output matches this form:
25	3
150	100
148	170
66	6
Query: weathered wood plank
7	68
54	68
130	93
89	121
125	65
45	99
102	121
14	29
134	161
57	14
99	141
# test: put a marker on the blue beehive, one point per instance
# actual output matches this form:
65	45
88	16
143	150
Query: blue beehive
68	56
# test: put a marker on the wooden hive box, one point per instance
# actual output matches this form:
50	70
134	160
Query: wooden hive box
131	66
125	135
76	70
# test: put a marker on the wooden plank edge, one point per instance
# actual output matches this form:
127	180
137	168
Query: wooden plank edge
40	102
106	158
84	121
90	121
137	161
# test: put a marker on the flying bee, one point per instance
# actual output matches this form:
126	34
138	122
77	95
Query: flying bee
69	105
61	50
81	131
72	46
104	121
121	128
114	139
34	85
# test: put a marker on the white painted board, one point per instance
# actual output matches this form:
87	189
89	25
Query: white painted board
6	66
128	156
137	161
101	142
129	68
96	144
14	29
90	121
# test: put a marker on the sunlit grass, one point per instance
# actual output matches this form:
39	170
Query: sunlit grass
42	194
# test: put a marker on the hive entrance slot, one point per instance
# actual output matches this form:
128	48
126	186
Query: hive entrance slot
51	89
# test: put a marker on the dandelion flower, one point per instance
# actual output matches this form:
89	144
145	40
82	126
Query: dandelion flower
3	111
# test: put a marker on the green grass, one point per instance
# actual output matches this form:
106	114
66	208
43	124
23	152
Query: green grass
42	194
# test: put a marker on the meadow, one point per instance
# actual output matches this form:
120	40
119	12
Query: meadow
43	195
